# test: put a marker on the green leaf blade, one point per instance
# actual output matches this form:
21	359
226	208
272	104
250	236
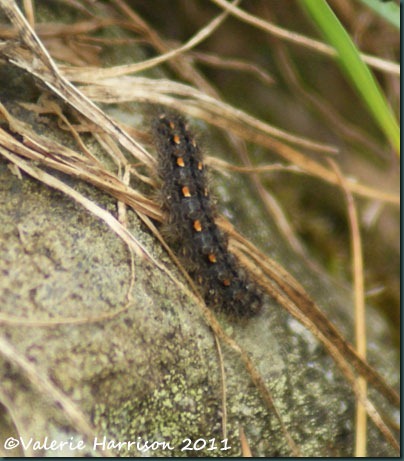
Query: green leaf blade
354	68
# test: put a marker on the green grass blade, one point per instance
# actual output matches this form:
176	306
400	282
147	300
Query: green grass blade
390	11
353	66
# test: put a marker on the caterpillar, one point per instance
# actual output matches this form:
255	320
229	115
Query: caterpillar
190	226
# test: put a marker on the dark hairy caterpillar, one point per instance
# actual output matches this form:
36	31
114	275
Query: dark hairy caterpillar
190	226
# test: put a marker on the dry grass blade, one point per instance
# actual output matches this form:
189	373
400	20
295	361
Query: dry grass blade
209	109
49	323
232	64
58	157
50	30
360	317
377	63
224	392
197	104
180	64
204	33
219	165
50	107
29	12
245	448
46	71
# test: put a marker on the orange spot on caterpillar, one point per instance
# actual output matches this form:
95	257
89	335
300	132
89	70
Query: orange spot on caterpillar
180	162
186	193
197	225
212	258
226	282
200	166
176	139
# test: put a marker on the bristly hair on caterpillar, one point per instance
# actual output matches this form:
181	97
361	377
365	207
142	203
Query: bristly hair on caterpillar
190	221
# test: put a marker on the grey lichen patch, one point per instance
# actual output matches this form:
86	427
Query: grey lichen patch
176	412
179	407
175	409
